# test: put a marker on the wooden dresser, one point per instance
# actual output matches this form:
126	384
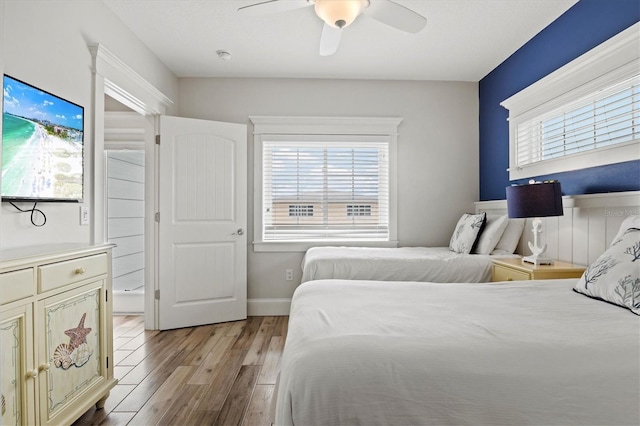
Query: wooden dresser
55	332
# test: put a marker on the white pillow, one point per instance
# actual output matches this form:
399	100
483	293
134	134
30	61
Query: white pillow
630	222
466	233
510	237
615	276
493	229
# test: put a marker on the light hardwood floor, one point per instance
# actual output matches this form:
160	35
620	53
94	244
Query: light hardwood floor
219	374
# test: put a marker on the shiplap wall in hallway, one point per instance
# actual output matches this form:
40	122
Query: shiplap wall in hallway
124	143
584	231
125	201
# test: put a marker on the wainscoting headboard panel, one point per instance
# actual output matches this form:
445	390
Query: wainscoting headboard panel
584	232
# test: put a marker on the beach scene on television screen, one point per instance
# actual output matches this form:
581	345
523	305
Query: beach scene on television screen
42	144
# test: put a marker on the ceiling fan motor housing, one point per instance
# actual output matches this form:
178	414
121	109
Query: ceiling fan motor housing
339	13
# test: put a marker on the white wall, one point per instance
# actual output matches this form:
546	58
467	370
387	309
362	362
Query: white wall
437	149
438	141
125	215
45	44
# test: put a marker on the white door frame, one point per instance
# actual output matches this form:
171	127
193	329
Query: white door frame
115	78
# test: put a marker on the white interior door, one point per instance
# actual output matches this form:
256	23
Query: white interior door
202	243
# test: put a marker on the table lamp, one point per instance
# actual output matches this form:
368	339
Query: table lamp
536	200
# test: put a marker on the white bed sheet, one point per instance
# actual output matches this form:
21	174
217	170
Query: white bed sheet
434	264
408	353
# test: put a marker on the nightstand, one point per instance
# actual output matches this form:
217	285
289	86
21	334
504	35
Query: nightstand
514	269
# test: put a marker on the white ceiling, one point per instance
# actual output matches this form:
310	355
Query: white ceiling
463	41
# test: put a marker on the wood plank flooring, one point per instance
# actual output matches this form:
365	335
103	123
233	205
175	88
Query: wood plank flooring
219	374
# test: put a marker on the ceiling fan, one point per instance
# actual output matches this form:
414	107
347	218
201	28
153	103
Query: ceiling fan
339	14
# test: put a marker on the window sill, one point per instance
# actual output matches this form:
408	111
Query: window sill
303	246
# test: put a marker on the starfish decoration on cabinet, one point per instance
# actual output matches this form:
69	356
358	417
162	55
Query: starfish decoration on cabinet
78	335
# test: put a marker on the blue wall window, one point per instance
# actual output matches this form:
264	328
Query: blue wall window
584	26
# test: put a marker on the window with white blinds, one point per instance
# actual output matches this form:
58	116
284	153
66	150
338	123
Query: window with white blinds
584	114
325	190
606	117
324	181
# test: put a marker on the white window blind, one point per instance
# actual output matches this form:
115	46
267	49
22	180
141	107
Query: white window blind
325	178
584	114
606	117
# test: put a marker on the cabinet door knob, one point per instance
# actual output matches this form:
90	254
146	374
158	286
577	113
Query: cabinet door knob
32	374
80	271
509	279
44	366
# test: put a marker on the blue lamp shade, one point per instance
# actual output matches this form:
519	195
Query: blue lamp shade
534	200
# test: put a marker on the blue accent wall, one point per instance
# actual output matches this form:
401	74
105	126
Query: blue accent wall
581	28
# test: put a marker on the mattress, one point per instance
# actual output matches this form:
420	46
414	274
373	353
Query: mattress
433	264
408	353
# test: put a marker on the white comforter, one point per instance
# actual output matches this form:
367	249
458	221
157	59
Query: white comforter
434	264
408	353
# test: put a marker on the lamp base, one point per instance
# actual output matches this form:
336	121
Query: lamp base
537	260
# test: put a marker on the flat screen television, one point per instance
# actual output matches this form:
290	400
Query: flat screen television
42	145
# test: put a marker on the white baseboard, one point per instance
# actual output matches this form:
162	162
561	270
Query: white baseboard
268	307
133	303
128	302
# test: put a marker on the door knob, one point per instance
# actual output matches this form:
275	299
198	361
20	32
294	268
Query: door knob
240	231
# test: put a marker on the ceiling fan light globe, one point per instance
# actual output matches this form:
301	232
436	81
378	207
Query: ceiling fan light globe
339	13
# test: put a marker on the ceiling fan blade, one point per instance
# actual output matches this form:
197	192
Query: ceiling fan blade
329	40
272	6
396	15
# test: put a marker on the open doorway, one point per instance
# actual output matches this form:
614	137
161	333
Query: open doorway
124	138
114	78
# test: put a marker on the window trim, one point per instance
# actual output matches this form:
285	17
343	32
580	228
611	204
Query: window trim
264	127
612	61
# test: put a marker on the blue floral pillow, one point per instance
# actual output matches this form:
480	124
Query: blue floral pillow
466	234
615	275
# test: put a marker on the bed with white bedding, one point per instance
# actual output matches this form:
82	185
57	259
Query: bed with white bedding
434	264
484	236
411	353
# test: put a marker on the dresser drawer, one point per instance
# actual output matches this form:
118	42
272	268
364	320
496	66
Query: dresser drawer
501	273
16	285
71	271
